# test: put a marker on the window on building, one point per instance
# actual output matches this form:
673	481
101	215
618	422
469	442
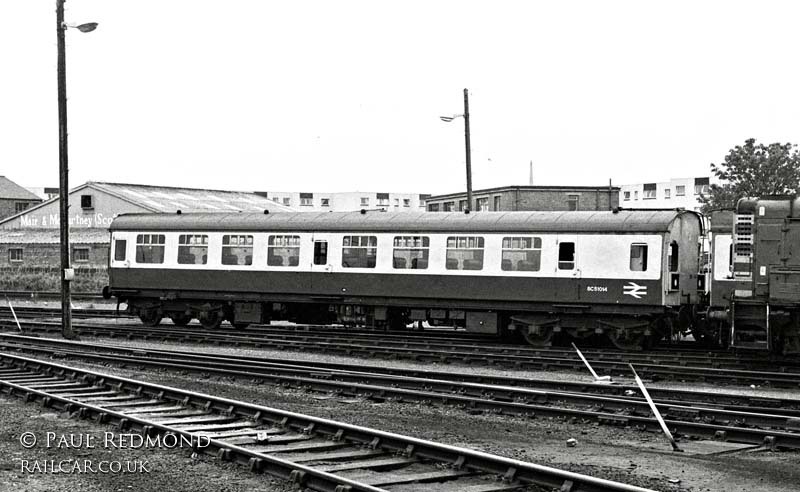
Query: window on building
237	249
15	255
365	201
423	204
566	256
635	195
680	190
283	251
80	255
325	202
410	252
667	193
700	186
521	254
87	202
482	204
406	202
287	201
572	202
649	191
462	205
306	199
150	248
626	195
320	252
20	206
638	257
359	251
120	247
433	207
497	203
396	202
192	249
464	253
447	206
383	199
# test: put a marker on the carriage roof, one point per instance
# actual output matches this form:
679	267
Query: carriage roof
622	221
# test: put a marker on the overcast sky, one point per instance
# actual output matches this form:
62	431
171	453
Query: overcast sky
343	95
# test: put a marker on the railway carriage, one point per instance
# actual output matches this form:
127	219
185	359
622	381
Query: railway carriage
626	274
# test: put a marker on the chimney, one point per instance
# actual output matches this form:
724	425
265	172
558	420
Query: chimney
530	174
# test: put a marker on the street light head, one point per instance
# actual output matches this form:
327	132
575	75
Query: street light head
88	27
448	119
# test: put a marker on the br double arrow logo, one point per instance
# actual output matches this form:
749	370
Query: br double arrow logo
634	290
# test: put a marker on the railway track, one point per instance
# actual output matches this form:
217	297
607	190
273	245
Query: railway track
762	421
314	453
461	342
778	375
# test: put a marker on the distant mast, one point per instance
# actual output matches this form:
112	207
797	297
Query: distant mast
530	174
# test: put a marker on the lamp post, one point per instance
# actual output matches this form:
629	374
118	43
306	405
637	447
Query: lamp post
448	119
67	273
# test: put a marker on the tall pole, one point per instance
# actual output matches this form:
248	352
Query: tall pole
63	169
469	152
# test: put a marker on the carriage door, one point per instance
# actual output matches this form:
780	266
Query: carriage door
568	273
322	262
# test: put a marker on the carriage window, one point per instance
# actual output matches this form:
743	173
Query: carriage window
464	253
320	252
237	250
119	249
359	251
566	256
150	248
411	252
521	254
638	257
283	251
192	249
673	256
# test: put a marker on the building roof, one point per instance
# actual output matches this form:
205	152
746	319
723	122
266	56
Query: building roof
10	190
52	236
171	199
500	189
565	222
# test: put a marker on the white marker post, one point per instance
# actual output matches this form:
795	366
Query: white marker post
597	379
15	314
655	411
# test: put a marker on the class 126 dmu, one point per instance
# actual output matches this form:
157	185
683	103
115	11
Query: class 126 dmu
635	277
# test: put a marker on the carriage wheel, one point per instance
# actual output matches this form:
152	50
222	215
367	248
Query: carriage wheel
150	317
211	320
626	340
541	336
180	319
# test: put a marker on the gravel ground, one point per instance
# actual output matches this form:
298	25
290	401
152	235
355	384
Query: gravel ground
626	455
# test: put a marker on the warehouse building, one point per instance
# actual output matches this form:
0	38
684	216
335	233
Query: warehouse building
14	198
532	198
30	238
